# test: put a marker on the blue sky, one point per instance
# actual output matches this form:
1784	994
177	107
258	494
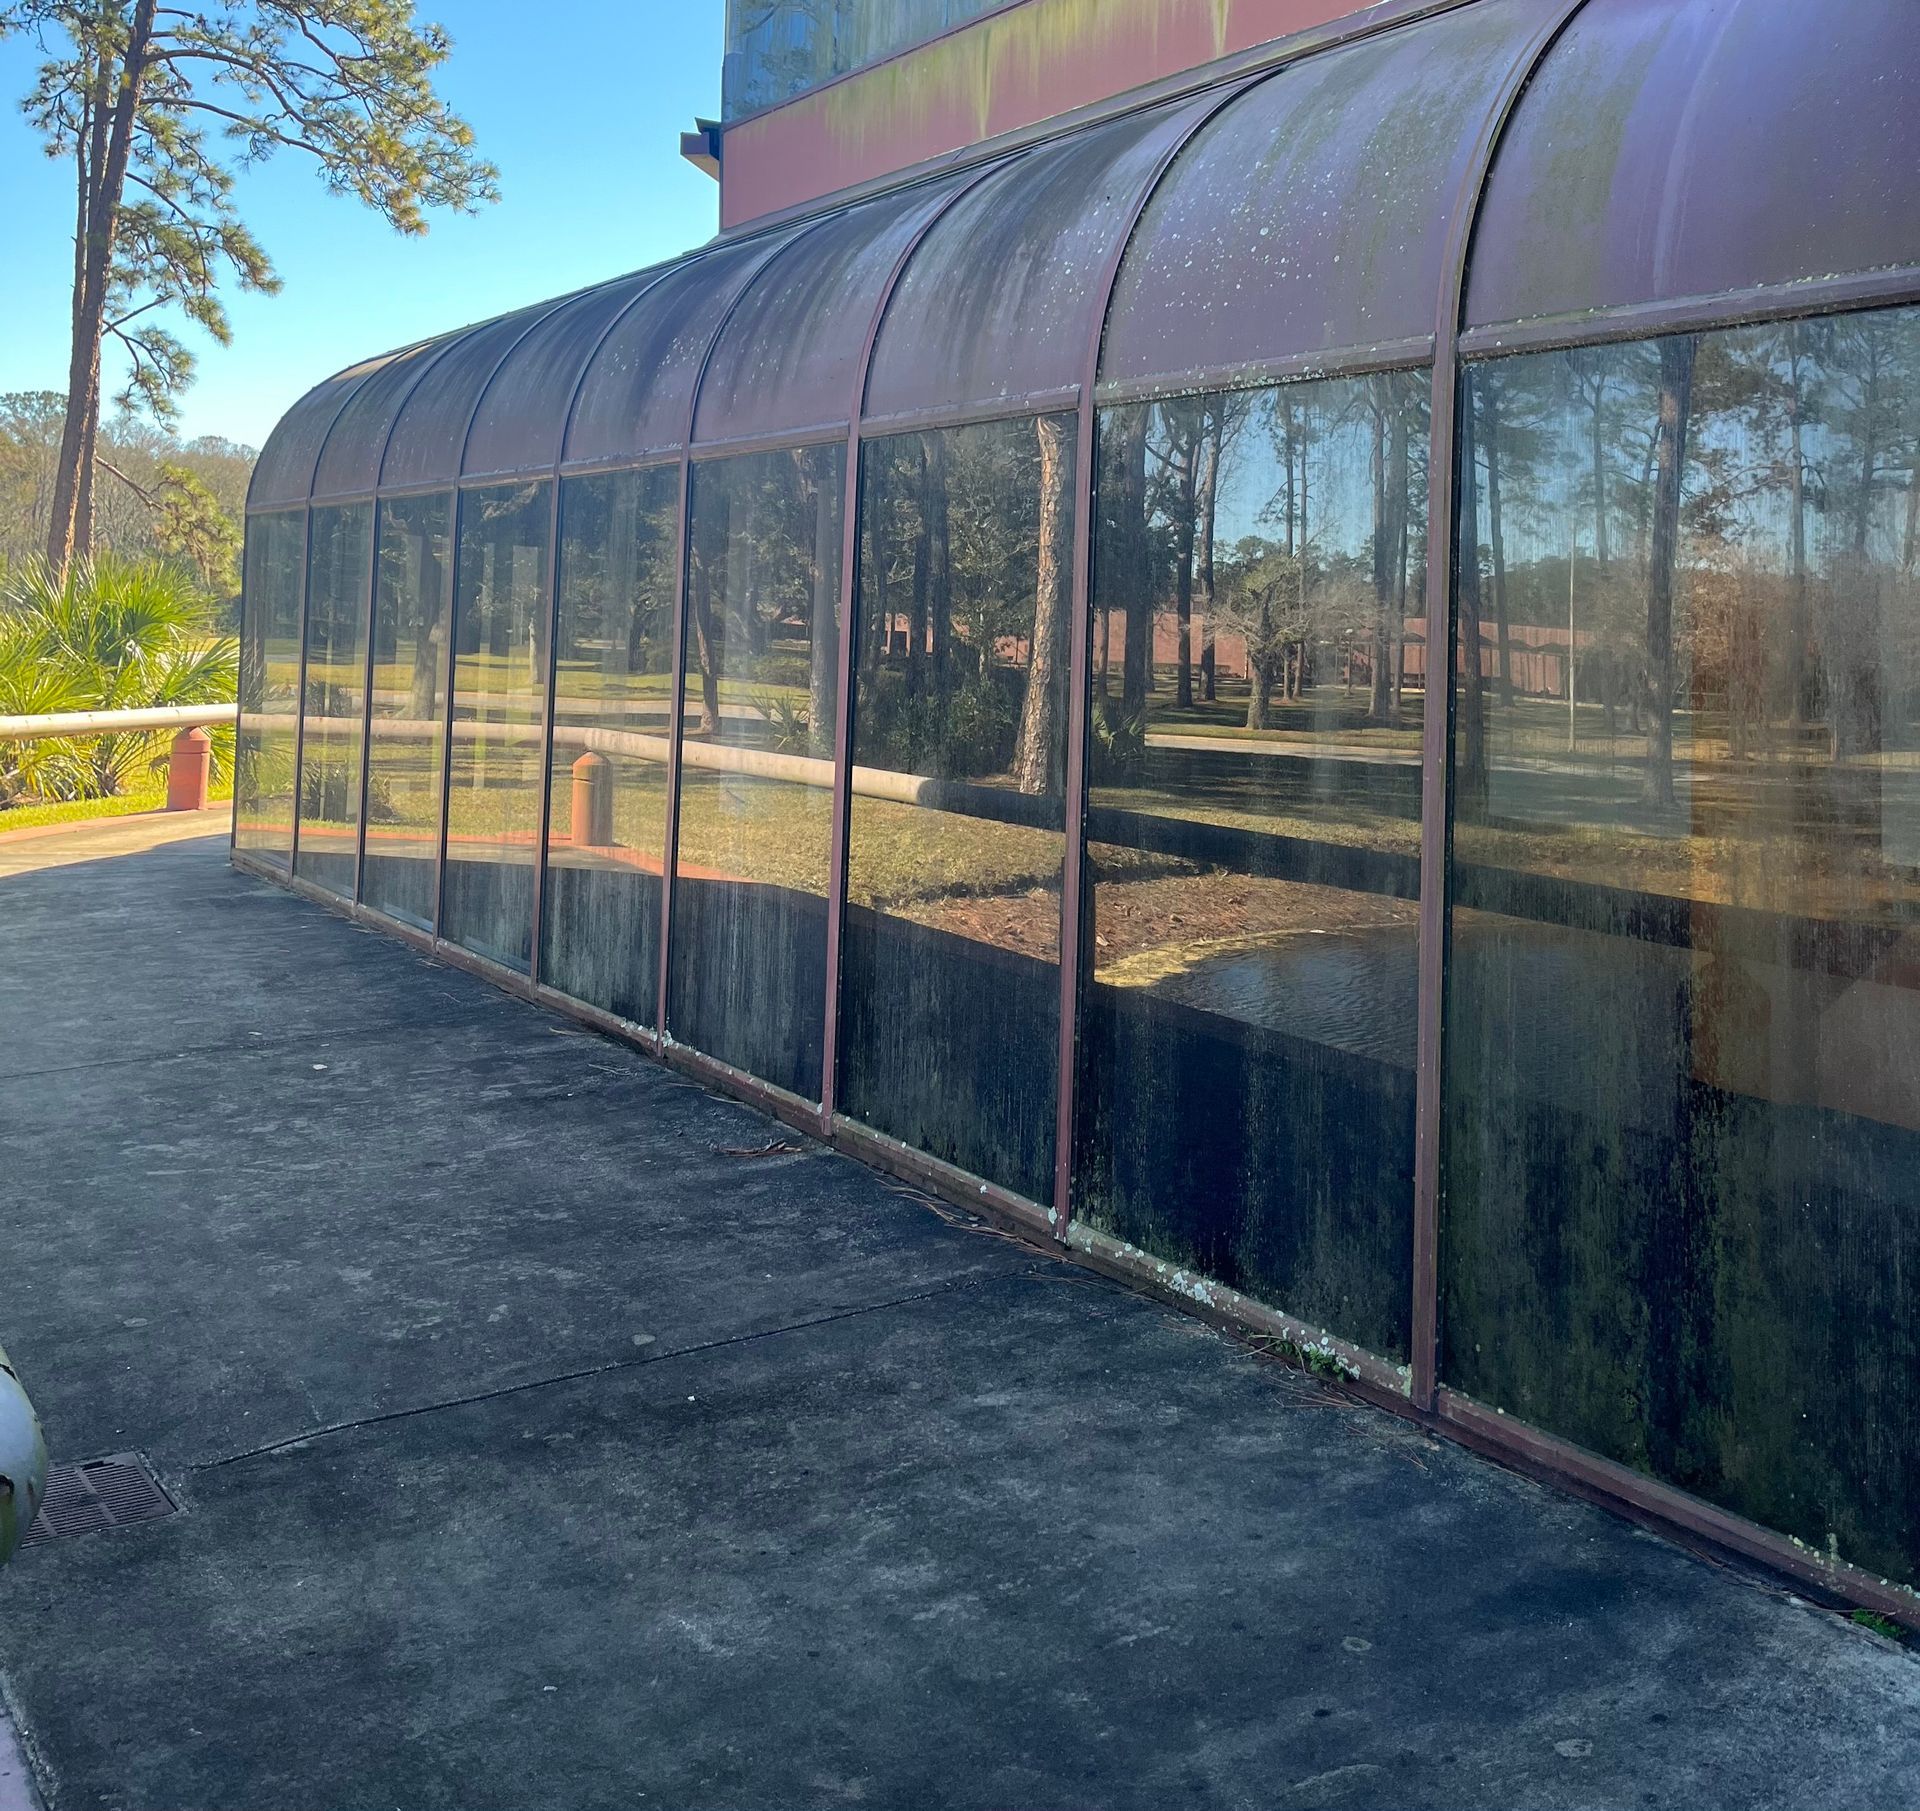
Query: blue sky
582	111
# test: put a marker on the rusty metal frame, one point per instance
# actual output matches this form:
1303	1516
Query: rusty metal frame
352	391
1413	1392
554	527
366	700
459	490
375	498
1080	660
848	604
299	689
1851	293
1436	752
677	688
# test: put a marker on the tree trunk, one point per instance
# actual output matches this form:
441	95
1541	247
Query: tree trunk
1036	760
1183	572
939	561
823	666
1496	535
1597	450
1670	461
1134	581
1260	662
1799	610
1471	783
103	176
1209	514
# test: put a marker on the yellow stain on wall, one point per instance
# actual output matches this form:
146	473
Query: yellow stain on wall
1032	48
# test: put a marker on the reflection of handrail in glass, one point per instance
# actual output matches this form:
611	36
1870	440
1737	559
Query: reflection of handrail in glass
1000	804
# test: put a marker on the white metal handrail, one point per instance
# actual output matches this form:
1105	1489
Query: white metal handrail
109	723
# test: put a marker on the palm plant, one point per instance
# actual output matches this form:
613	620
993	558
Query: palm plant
108	634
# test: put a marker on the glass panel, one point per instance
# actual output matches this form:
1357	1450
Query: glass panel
408	720
266	747
612	708
499	721
338	565
1682	1207
1248	1027
748	978
950	994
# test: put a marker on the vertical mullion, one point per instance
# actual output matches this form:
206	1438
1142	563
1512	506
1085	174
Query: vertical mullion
676	712
551	668
1080	675
300	688
449	604
541	857
1436	748
366	699
670	848
849	627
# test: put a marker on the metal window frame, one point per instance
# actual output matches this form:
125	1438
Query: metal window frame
677	689
848	604
1415	1391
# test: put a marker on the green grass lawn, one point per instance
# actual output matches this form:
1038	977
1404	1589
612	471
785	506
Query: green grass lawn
77	811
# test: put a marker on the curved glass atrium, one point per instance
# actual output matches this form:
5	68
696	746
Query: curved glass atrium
963	668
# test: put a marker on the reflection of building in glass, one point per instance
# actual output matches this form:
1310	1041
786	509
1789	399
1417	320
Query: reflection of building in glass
779	48
962	667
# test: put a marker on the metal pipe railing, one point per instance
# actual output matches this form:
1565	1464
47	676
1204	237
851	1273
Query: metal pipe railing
112	723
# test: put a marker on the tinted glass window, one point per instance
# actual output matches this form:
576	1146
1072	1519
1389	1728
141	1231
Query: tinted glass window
612	705
267	744
338	584
499	721
950	983
1248	1029
407	723
748	980
1682	1210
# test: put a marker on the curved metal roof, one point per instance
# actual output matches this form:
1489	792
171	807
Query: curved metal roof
522	417
284	472
349	462
1666	149
788	354
636	397
997	303
1678	148
430	430
1310	215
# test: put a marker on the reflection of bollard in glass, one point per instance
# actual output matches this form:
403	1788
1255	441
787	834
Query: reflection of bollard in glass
592	802
189	767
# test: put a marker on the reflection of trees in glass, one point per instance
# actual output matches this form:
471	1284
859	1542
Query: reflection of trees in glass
410	609
1703	545
501	583
763	580
965	572
1289	519
619	543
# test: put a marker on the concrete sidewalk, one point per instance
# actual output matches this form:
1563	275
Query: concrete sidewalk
550	1432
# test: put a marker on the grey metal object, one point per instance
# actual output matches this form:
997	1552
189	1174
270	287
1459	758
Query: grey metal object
23	1461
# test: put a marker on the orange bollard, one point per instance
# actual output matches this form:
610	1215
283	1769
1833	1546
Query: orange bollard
592	802
188	769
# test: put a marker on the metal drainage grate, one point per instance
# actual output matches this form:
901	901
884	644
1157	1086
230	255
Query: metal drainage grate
103	1493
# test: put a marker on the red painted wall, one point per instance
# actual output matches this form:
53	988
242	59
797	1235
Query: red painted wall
1011	70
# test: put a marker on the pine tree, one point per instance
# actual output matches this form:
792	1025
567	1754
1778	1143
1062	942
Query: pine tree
156	108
